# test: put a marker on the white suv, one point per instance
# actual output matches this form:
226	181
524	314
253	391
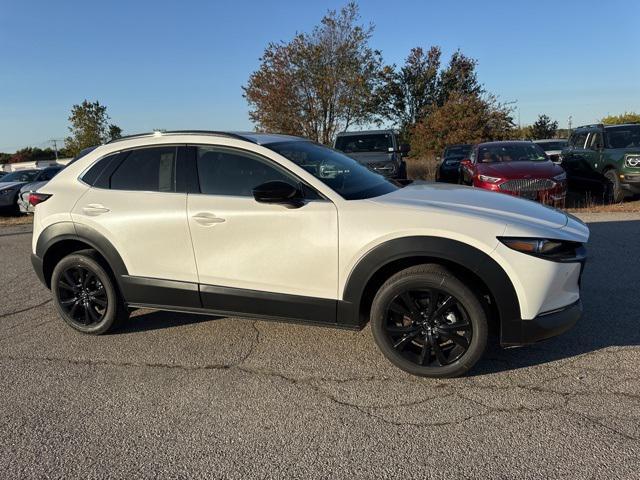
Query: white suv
283	228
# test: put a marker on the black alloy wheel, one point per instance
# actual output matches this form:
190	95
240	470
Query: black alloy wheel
85	293
82	295
427	322
428	327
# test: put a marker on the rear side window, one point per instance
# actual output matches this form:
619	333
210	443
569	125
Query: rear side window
92	175
229	172
146	169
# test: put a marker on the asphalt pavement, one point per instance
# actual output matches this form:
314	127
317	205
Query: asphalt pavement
186	396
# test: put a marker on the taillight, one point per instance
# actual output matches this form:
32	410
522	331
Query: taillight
36	198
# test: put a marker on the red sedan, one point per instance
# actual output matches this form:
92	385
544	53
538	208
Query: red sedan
515	168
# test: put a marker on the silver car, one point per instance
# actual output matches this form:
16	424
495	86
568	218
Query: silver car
41	180
552	147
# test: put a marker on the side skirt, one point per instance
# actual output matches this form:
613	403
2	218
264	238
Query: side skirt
142	292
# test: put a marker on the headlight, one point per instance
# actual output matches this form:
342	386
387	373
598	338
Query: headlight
556	250
560	178
451	162
632	160
489	179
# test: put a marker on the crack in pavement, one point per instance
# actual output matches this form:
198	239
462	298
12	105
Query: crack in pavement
372	411
26	309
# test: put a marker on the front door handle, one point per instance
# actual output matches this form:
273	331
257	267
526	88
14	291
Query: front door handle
95	209
207	219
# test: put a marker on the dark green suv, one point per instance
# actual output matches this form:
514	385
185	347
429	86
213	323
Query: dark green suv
607	155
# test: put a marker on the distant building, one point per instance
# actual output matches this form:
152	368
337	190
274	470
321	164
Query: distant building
13	167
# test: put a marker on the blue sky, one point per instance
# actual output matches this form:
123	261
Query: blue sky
181	64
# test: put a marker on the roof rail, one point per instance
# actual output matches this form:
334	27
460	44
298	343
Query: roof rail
162	133
593	125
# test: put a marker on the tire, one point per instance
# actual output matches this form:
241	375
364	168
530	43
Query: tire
85	294
613	191
447	340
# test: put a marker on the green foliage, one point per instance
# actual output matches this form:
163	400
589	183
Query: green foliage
28	154
626	117
319	83
543	128
89	126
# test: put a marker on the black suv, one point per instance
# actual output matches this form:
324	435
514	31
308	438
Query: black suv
449	165
607	155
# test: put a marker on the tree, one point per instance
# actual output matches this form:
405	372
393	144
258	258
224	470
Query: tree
459	77
464	118
626	117
542	128
321	82
414	89
89	126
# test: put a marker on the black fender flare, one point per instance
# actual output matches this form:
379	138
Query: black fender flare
438	248
61	231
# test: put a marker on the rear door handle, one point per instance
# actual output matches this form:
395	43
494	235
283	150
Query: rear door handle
95	209
207	219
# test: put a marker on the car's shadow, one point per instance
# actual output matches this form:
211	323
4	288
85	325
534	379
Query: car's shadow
610	296
611	304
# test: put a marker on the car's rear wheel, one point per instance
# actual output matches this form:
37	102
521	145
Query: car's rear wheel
85	294
428	323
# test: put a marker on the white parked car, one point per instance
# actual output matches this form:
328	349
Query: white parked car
282	228
553	148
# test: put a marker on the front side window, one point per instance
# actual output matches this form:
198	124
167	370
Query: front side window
382	142
341	173
224	171
578	139
146	169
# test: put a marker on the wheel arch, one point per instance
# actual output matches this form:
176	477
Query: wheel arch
472	266
60	239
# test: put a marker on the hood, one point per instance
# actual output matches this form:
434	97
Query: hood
5	185
371	157
538	169
471	200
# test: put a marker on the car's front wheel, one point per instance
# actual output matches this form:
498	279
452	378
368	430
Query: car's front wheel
85	294
614	192
428	323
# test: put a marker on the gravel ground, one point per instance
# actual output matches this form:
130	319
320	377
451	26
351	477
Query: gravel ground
181	396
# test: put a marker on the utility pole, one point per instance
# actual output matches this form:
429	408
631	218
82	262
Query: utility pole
55	147
570	118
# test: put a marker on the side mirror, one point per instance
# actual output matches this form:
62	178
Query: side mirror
278	192
405	148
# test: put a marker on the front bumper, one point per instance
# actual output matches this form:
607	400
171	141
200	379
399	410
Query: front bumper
630	182
550	324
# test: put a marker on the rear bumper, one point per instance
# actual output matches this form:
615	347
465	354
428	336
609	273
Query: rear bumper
36	261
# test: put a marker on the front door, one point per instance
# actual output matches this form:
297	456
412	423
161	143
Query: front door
260	258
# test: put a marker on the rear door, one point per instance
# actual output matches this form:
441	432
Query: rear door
134	205
259	258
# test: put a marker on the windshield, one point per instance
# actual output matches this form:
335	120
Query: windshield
624	136
365	143
457	151
548	146
524	152
339	172
23	176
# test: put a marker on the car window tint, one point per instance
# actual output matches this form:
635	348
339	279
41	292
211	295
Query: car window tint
146	169
91	176
578	140
229	172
